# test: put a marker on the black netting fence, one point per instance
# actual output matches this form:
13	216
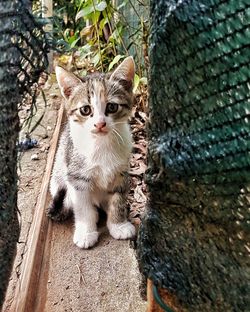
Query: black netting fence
24	45
194	240
23	48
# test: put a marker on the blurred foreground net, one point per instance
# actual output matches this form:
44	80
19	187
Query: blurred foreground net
194	240
23	57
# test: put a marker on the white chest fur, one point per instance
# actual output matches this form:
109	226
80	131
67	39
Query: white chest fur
105	155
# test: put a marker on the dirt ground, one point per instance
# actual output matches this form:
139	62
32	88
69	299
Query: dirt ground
103	279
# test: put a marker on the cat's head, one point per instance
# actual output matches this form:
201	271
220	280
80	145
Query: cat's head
99	102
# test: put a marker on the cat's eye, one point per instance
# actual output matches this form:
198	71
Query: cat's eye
85	110
111	108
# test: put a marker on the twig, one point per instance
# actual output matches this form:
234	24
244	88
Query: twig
81	277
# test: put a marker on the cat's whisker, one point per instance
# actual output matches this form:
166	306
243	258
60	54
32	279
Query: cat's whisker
119	122
116	137
118	134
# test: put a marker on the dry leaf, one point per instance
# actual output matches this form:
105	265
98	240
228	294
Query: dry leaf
137	156
140	147
139	195
138	170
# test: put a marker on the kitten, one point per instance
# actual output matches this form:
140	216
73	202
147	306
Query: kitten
91	163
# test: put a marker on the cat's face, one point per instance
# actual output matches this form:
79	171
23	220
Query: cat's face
99	103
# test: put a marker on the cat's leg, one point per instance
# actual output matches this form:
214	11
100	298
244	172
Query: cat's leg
60	207
86	218
118	224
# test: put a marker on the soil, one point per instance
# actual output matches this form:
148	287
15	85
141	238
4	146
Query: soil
102	279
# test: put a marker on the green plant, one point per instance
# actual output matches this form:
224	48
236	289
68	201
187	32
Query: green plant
100	33
65	27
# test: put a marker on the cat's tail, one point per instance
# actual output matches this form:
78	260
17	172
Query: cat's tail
56	210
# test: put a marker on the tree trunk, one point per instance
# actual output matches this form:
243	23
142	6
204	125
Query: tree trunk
194	239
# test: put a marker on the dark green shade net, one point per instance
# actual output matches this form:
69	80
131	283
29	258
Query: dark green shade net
23	48
194	239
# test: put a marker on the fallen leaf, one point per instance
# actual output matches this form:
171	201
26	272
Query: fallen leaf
139	195
140	147
138	170
137	156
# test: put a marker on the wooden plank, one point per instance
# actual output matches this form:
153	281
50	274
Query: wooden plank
26	291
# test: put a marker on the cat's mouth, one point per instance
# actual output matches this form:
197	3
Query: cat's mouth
100	131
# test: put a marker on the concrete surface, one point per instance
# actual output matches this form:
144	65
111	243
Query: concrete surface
104	278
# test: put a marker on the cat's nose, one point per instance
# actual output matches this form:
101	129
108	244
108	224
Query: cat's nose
100	125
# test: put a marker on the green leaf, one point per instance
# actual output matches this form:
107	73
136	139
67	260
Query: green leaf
96	59
101	6
73	44
102	23
85	50
144	80
115	61
123	4
95	17
85	11
80	4
66	34
136	82
116	35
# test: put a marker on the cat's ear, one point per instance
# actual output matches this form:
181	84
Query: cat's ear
67	81
125	72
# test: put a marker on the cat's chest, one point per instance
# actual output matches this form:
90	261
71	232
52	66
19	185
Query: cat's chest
104	158
104	168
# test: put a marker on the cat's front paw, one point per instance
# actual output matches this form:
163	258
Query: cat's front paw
121	230
84	239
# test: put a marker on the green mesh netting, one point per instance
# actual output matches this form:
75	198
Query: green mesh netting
22	58
194	239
